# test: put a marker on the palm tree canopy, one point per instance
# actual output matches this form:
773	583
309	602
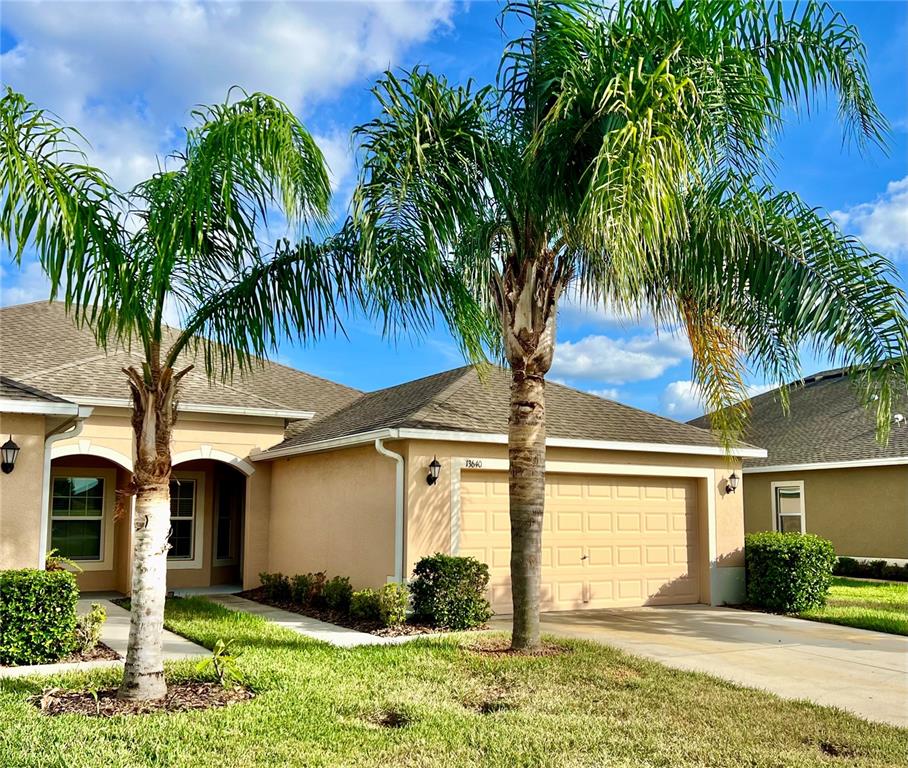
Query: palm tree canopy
625	153
187	240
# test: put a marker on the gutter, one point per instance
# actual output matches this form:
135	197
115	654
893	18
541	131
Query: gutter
398	508
225	410
502	439
67	430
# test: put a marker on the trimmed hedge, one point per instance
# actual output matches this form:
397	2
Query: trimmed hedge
450	591
874	569
336	594
388	605
788	572
37	616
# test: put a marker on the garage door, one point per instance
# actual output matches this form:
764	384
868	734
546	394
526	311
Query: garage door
607	541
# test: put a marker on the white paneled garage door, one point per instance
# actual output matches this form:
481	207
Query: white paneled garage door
608	541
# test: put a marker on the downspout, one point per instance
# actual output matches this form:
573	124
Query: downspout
398	509
65	431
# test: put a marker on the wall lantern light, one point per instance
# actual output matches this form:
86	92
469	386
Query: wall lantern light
9	451
732	484
434	471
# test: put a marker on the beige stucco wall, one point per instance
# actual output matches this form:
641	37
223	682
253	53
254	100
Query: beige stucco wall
106	442
863	511
20	491
428	519
333	512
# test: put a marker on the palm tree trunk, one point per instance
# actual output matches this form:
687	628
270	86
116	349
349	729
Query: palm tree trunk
526	457
528	302
153	416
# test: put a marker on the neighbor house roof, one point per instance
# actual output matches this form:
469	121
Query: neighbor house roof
16	397
40	346
825	424
460	401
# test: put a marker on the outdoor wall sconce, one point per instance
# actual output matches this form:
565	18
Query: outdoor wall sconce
732	484
9	452
434	471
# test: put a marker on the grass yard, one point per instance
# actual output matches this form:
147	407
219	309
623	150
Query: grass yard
321	706
879	605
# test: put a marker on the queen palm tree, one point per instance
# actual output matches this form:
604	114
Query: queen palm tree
625	154
185	241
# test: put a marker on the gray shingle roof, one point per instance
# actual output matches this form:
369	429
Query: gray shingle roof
42	347
16	390
458	400
825	423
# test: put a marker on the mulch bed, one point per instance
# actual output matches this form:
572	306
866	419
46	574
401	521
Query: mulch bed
180	698
345	620
501	646
100	652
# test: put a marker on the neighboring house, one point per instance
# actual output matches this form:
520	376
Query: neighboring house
825	472
281	471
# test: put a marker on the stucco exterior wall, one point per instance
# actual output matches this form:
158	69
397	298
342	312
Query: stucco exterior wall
20	492
428	518
863	511
334	512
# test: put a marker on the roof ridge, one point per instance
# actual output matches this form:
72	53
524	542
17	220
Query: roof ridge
28	389
447	391
73	364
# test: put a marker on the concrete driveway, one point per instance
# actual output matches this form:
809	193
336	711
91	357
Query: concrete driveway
862	671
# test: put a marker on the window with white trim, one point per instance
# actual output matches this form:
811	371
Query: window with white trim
77	517
182	519
788	507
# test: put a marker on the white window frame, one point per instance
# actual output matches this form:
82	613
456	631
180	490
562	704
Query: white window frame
198	524
109	476
787	484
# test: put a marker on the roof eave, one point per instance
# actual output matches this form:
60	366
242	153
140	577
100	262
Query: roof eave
38	407
501	438
855	464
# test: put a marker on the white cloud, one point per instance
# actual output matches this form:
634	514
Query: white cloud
882	224
609	393
22	285
127	74
681	399
619	361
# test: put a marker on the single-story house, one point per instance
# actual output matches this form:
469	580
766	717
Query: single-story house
283	471
824	472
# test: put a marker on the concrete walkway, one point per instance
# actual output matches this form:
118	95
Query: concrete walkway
858	670
342	637
114	634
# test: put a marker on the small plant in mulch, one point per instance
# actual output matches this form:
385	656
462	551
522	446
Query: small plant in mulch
223	662
181	697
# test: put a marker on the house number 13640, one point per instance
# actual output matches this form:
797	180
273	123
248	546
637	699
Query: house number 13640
473	464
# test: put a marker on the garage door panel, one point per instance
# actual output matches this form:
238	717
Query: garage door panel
607	541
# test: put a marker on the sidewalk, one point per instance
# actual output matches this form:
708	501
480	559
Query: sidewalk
114	634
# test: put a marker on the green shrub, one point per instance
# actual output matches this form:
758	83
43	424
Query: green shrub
393	602
450	591
336	594
37	615
875	569
788	572
88	627
276	586
306	588
365	604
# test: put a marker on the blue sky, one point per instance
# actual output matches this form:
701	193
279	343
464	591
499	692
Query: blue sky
128	73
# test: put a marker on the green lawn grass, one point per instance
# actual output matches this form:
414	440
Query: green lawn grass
879	605
319	706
